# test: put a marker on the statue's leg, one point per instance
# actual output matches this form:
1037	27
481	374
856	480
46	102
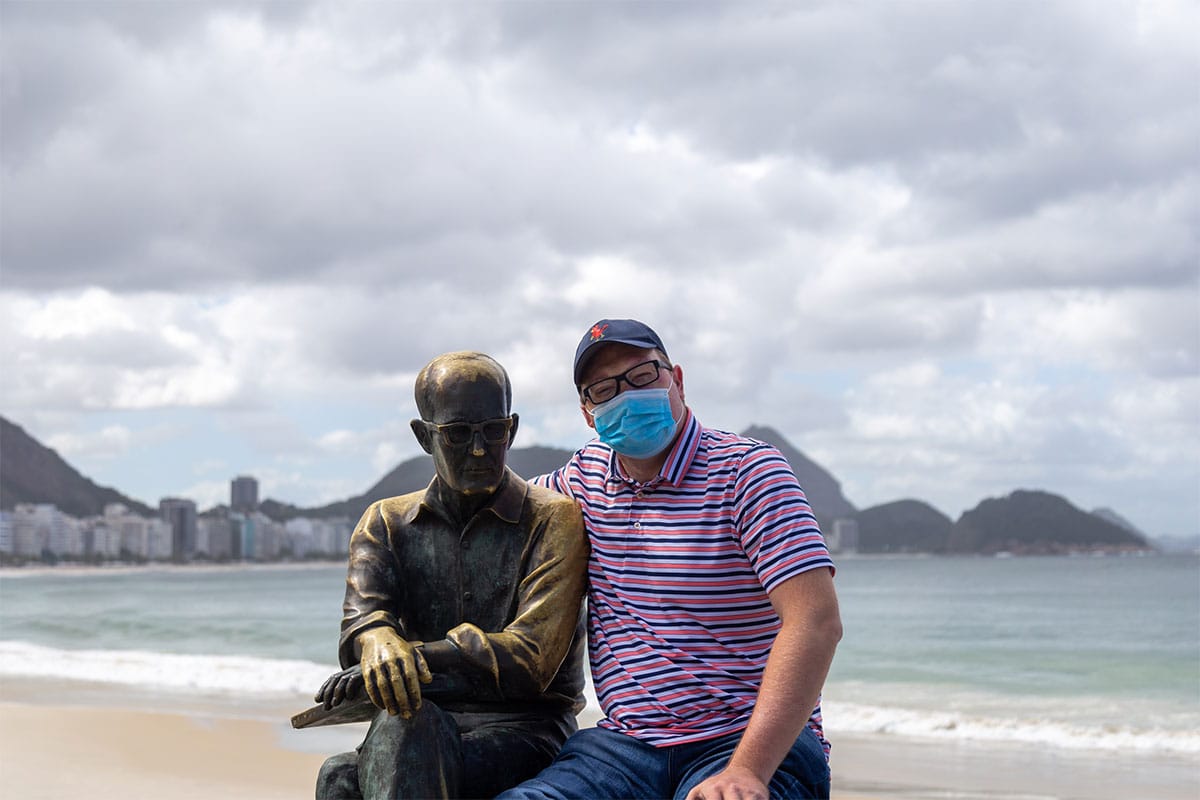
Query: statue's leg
338	778
405	758
499	752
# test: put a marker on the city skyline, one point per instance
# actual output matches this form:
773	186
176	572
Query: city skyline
40	532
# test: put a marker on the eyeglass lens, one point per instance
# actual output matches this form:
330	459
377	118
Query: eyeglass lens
638	376
494	431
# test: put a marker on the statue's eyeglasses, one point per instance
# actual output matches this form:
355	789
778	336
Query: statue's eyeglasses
642	374
457	434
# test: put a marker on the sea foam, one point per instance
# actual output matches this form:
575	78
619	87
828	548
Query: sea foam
958	726
165	671
234	674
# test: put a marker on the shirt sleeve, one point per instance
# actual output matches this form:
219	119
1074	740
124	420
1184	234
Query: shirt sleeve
554	481
778	531
524	657
371	584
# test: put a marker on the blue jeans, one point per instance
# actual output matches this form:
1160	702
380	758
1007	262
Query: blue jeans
596	763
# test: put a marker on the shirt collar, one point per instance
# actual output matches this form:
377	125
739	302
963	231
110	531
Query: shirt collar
506	502
679	459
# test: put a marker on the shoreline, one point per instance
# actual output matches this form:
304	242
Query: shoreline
134	742
74	570
121	567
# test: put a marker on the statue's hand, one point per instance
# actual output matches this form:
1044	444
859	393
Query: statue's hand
393	671
340	686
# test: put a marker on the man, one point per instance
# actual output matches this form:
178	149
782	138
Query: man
468	592
712	617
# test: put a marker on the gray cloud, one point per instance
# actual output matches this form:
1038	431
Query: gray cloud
887	229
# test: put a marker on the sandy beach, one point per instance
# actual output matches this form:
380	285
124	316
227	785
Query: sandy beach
74	740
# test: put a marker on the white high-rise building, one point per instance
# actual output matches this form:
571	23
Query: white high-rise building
6	532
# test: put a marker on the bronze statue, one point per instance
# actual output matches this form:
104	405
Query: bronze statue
462	618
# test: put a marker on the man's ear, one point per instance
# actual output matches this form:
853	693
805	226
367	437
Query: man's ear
591	423
512	431
422	433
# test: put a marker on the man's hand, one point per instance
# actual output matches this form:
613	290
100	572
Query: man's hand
393	671
733	783
339	686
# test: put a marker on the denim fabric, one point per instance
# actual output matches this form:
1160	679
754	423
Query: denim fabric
596	764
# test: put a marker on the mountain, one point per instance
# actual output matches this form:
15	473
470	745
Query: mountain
1022	522
1032	522
414	474
33	473
822	489
904	526
1109	515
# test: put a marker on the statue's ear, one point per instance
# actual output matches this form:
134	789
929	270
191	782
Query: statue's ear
512	431
422	433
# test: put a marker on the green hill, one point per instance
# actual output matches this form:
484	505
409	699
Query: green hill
903	526
1033	522
33	473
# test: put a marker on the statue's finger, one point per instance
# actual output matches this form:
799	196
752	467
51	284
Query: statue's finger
393	702
339	690
412	685
371	679
399	687
322	694
423	673
354	684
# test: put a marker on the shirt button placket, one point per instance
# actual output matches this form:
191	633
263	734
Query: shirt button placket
637	496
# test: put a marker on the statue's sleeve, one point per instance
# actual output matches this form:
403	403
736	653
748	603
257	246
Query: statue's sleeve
524	657
372	589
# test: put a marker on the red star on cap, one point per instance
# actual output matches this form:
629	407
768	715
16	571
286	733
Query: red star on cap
598	331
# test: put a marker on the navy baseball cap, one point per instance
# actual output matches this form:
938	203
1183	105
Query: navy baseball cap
607	331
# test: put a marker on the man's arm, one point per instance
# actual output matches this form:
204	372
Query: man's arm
795	672
523	658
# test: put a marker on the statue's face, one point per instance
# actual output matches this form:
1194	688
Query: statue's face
475	466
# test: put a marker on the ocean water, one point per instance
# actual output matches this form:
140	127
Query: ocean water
1075	653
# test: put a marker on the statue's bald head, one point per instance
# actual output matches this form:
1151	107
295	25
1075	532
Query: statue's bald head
450	370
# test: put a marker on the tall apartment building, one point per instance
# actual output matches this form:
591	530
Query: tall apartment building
139	537
327	537
243	494
6	532
219	534
180	514
843	536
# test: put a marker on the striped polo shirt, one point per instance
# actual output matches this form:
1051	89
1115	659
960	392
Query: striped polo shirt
680	625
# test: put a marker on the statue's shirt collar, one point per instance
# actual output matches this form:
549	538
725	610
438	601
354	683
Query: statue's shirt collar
506	503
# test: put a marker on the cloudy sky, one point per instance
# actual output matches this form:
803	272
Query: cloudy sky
949	250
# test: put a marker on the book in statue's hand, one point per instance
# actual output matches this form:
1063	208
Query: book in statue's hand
353	705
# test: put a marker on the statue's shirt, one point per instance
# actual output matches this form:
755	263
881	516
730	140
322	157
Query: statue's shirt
504	588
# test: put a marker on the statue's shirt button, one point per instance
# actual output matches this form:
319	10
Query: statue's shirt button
468	596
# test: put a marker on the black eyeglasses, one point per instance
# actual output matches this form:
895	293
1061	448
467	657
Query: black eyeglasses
637	376
457	434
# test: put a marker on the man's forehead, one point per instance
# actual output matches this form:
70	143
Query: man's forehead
611	357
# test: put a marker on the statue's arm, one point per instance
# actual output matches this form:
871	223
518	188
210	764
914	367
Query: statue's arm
523	658
372	586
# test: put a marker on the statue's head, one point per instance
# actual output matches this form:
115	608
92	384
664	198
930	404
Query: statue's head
464	401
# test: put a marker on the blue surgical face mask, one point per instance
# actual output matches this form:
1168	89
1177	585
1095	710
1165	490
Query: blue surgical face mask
636	423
